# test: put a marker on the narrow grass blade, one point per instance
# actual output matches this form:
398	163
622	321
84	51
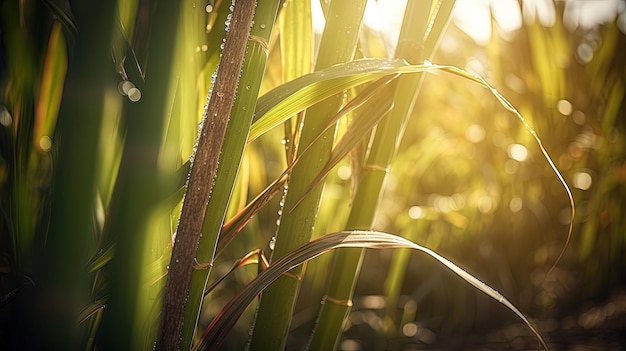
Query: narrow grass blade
91	309
253	257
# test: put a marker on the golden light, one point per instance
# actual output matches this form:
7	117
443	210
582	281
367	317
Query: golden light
416	212
475	133
517	152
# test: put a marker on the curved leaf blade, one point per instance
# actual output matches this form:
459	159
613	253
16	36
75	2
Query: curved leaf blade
215	334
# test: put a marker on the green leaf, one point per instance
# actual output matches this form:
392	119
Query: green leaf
215	334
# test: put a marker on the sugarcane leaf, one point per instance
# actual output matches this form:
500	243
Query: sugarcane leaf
215	334
284	101
279	104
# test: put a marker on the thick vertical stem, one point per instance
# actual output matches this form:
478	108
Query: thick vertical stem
231	156
202	175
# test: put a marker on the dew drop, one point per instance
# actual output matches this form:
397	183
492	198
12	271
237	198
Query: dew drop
262	25
220	94
247	87
209	8
272	243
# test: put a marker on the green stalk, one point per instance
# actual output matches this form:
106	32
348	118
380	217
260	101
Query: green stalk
138	188
277	302
233	147
338	301
63	278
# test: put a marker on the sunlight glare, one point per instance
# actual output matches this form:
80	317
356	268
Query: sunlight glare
385	18
474	17
317	16
587	14
543	10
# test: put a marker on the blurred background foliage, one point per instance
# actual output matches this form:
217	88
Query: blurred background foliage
468	180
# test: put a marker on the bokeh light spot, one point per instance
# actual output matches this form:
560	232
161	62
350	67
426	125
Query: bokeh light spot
518	152
409	329
564	107
485	204
475	133
578	117
350	345
125	86
134	94
45	143
584	53
515	205
344	172
5	117
511	166
582	180
416	212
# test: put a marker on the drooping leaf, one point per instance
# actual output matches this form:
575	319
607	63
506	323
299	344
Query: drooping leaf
279	104
215	334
